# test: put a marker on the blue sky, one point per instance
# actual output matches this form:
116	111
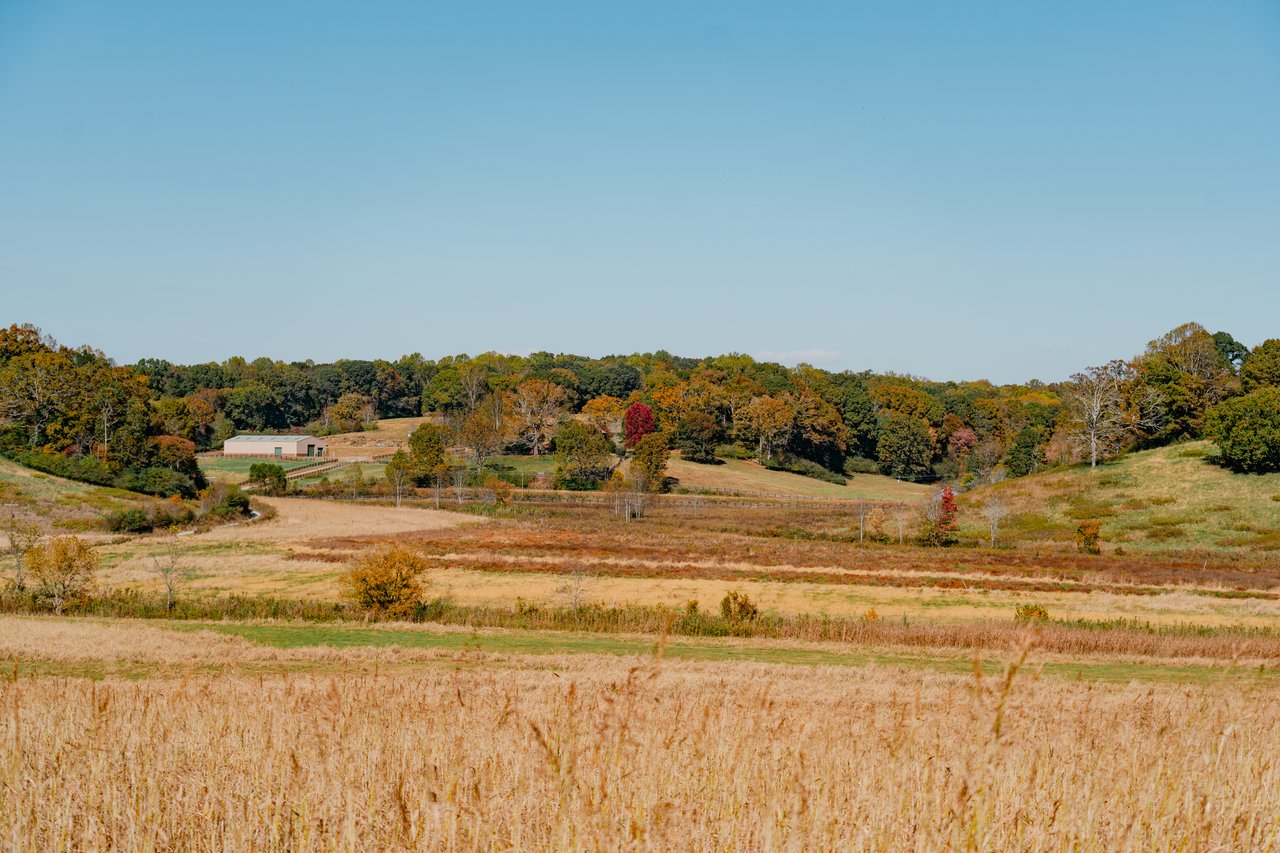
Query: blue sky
955	190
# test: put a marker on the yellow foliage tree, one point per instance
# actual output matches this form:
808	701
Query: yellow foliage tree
388	582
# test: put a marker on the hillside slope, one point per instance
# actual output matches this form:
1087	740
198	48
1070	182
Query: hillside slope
750	478
1171	498
55	503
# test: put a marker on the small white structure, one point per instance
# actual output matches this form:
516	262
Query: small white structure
277	446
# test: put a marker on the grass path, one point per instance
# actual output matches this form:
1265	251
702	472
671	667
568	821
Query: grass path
556	643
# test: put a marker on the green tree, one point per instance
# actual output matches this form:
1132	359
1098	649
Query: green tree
428	448
582	454
906	446
649	463
1262	368
1026	456
1247	431
399	473
268	478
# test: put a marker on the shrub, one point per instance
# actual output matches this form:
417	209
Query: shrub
130	521
804	468
386	583
738	607
860	465
1027	614
1089	537
223	501
156	481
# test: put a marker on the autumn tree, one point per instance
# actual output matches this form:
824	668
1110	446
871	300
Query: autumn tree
63	571
535	406
351	413
637	423
696	436
35	388
769	421
605	413
483	433
387	583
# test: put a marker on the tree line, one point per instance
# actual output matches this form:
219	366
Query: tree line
153	415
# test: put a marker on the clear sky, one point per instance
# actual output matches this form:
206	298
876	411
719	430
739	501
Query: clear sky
956	190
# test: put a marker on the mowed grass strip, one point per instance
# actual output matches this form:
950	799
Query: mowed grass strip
556	643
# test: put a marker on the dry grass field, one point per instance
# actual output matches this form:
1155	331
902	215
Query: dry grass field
745	477
215	743
1141	717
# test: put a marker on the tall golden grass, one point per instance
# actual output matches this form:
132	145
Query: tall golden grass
592	753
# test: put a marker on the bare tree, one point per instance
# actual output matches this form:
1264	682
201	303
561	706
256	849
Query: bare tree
22	536
1097	415
574	591
439	476
171	571
901	518
459	482
994	511
862	521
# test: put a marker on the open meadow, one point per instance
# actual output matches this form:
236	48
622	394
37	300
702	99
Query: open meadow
570	682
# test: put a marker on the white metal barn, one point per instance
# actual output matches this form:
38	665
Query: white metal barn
279	446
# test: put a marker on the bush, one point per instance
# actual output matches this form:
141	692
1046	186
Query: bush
1089	537
387	583
738	607
803	467
130	521
223	501
860	465
1027	614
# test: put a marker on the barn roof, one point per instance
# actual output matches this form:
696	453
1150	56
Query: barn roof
271	438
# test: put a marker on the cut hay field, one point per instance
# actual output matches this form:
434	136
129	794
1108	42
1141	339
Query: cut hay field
1171	498
750	478
133	736
390	435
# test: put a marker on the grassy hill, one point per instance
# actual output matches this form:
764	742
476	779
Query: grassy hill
55	503
745	477
1171	498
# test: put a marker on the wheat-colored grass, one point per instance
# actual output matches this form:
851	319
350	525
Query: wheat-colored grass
590	753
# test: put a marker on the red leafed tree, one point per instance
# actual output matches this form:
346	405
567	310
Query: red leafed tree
637	423
947	510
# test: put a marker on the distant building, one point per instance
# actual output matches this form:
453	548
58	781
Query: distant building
281	446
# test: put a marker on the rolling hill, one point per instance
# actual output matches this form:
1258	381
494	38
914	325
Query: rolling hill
1157	500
